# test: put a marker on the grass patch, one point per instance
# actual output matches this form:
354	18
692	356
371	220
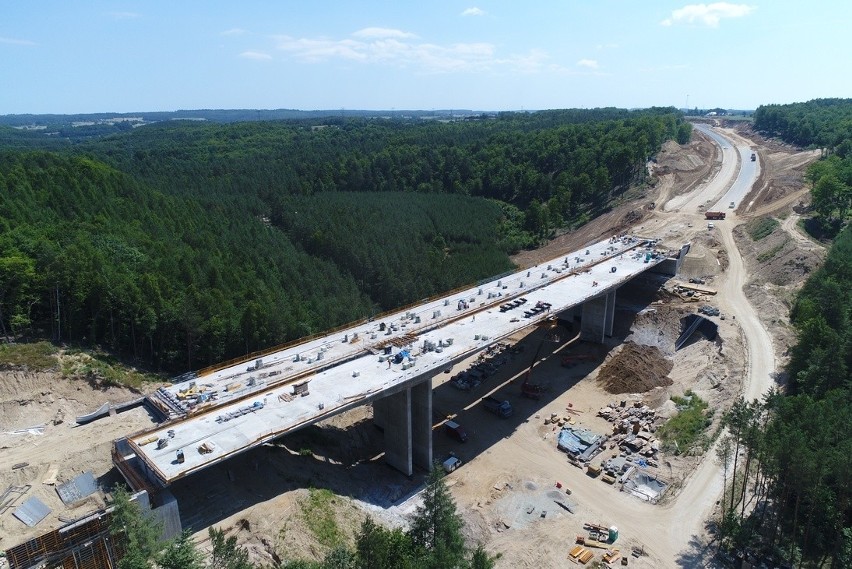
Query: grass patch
318	512
762	227
37	356
685	431
104	369
767	255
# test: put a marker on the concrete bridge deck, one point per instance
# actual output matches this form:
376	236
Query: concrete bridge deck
251	404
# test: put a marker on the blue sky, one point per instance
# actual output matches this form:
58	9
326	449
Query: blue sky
71	56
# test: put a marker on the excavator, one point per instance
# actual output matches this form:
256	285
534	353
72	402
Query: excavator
534	390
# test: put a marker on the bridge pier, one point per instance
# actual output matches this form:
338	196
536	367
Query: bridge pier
421	424
406	418
597	318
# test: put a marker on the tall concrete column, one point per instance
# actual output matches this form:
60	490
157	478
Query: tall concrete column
380	413
609	319
397	410
421	424
598	317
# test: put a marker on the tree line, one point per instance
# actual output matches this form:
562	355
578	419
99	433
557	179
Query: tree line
433	540
825	124
788	457
820	123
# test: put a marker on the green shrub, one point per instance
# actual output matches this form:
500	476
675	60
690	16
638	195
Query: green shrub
686	429
36	356
761	227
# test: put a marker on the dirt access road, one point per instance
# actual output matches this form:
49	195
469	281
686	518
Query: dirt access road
696	500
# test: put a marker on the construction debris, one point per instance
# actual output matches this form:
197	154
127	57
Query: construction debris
256	406
77	488
10	495
633	430
32	511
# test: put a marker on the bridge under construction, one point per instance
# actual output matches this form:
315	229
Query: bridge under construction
388	361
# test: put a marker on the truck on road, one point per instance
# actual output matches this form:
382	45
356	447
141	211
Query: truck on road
456	431
502	409
714	215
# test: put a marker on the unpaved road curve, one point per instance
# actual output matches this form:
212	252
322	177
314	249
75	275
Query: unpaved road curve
790	225
695	502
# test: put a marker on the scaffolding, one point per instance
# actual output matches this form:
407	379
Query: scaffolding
84	544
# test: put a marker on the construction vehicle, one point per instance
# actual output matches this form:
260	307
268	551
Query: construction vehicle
532	390
502	409
714	215
451	463
456	431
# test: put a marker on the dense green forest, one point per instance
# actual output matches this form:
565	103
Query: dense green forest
821	123
826	124
791	454
181	244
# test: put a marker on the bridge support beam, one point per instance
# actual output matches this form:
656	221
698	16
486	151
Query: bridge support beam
406	418
598	317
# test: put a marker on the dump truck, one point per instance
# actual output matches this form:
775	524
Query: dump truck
502	409
714	215
456	431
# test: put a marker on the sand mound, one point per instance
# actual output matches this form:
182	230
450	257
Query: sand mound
636	369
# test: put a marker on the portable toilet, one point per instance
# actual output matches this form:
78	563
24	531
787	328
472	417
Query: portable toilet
613	534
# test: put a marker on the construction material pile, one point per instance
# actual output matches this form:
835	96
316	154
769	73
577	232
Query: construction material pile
636	368
633	428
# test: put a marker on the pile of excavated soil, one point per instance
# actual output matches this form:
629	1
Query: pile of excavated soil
636	369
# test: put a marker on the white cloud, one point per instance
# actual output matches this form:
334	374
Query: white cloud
256	55
590	63
314	50
125	15
659	68
234	32
15	41
707	14
379	33
382	46
473	12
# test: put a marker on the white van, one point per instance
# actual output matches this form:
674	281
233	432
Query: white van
451	463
